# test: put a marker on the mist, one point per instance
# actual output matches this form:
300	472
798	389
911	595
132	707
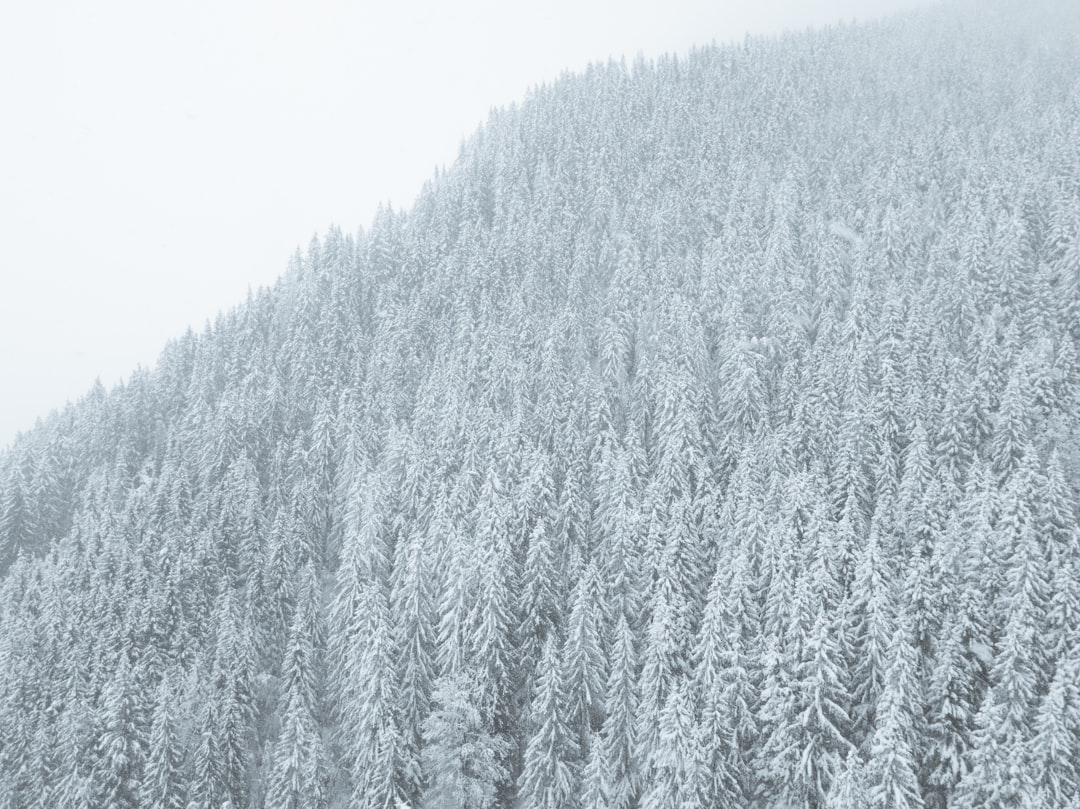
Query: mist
157	162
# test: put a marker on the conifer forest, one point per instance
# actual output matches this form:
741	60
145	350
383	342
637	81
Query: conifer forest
706	435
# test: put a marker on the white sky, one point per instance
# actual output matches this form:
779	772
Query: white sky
158	159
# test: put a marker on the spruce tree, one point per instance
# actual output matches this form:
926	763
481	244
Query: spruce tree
120	751
547	780
163	784
462	760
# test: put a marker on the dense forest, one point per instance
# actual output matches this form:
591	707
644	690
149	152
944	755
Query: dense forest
707	435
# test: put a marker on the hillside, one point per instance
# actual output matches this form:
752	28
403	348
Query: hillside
707	435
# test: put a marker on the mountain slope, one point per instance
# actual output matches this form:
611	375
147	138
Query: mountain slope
708	434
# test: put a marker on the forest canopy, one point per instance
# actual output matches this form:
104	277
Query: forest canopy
707	435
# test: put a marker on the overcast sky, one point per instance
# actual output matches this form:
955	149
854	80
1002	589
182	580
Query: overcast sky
158	159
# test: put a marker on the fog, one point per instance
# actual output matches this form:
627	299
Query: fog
157	161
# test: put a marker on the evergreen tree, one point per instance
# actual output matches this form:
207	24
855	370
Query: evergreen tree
463	761
370	736
1056	745
822	715
584	674
617	736
895	783
121	746
850	789
665	655
870	609
678	769
297	778
164	785
205	789
547	780
413	603
1003	772
719	680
